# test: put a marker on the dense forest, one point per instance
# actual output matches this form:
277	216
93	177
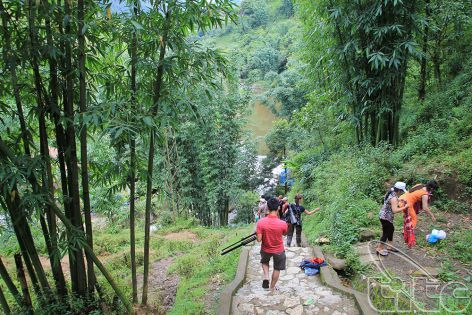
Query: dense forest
132	133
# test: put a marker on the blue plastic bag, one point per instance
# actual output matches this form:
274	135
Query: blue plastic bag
311	271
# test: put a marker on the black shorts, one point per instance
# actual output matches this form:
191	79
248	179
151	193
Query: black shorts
279	259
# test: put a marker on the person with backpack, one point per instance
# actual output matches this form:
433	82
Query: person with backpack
283	205
418	198
270	231
391	205
293	215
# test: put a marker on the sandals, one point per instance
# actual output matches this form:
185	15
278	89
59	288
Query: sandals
383	252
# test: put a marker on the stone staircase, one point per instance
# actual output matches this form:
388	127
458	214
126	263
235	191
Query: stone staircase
298	294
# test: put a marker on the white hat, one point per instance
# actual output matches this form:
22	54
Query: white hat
400	185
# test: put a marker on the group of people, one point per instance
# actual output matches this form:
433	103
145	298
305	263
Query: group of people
276	217
290	213
398	199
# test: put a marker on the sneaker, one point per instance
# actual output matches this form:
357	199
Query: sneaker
265	284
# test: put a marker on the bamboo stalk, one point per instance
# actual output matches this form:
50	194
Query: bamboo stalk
9	283
23	284
4	303
5	153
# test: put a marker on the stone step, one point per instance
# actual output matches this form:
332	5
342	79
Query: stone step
295	289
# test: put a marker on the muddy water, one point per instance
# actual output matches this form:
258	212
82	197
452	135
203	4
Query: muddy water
259	122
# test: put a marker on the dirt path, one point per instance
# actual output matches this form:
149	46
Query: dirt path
295	289
420	267
162	288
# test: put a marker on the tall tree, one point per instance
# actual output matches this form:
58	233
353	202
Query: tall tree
78	274
174	20
132	146
374	42
81	30
424	58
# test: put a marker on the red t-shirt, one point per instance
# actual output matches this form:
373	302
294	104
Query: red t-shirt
272	230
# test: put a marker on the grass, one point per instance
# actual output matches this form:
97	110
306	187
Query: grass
203	268
197	262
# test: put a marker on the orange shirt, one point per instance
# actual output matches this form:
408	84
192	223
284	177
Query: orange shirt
413	198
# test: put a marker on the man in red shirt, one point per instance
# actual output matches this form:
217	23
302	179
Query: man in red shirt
270	231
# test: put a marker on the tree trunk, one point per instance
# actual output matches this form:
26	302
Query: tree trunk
437	62
81	10
78	275
21	242
423	64
9	283
132	179
23	284
51	233
6	154
10	63
147	222
150	169
56	117
132	213
4	303
26	241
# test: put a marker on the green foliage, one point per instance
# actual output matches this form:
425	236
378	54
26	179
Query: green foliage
286	8
348	186
245	205
277	138
371	46
202	267
254	13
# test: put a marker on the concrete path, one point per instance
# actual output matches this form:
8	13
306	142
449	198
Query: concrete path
295	289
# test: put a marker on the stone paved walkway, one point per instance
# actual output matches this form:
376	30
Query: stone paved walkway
295	289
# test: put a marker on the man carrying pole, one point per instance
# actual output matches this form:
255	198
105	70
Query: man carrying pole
270	231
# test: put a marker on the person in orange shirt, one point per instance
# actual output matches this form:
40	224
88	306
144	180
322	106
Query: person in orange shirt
418	199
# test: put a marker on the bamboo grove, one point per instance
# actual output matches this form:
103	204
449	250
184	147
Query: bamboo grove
75	74
360	52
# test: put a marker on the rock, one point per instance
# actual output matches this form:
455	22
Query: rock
363	249
366	235
291	301
322	240
336	313
367	259
290	254
259	310
426	271
326	309
287	277
293	270
336	263
246	308
294	283
295	311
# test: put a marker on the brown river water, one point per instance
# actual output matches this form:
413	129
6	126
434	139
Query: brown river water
260	121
